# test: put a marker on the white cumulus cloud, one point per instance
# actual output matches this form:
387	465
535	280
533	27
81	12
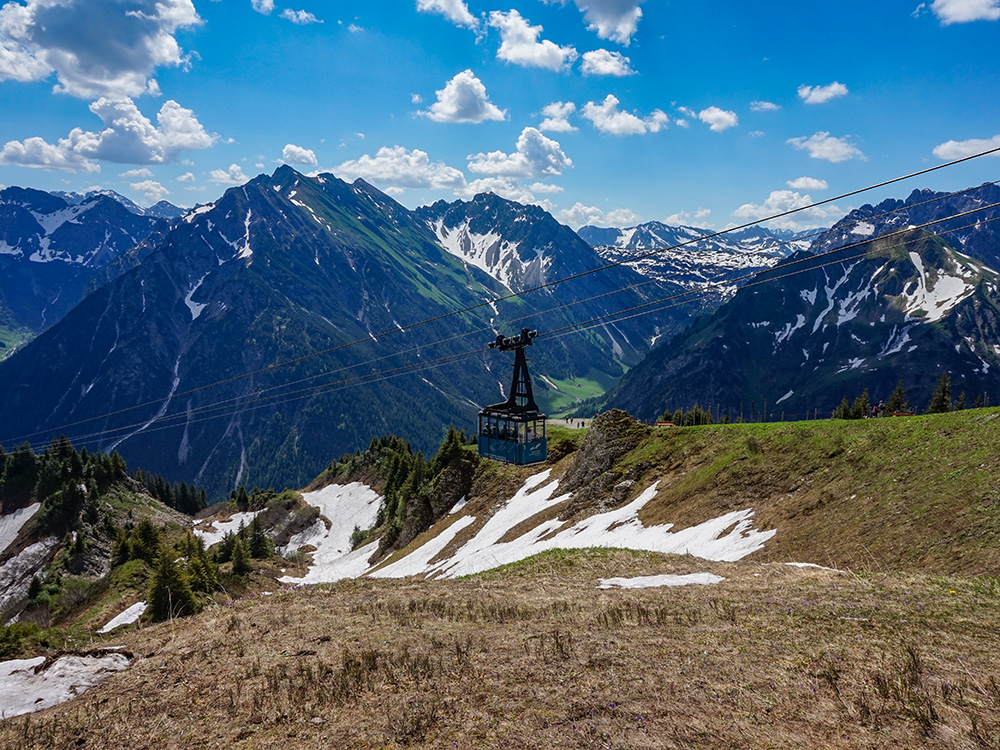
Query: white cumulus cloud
397	168
821	94
609	119
455	11
232	176
581	215
616	20
151	190
263	6
557	117
601	62
684	218
782	201
292	154
186	177
505	187
519	43
37	153
94	47
807	183
535	156
464	99
136	173
299	17
763	106
822	145
964	11
718	119
128	137
950	150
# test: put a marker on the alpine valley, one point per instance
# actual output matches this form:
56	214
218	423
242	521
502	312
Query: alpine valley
274	328
296	318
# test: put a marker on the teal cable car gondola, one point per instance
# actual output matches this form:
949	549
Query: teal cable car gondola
513	431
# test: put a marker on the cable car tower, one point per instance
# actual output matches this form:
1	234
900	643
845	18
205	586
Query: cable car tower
513	431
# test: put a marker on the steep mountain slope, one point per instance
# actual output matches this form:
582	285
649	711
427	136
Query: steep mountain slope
51	248
523	246
277	270
971	233
910	308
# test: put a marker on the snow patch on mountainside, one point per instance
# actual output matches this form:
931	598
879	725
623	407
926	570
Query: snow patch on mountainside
213	532
491	253
12	523
127	617
728	537
932	298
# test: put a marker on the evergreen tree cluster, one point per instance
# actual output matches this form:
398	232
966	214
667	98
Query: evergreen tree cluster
941	401
67	483
693	416
244	545
180	496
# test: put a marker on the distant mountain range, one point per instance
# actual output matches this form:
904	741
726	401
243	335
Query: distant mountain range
698	260
287	266
863	311
260	335
52	246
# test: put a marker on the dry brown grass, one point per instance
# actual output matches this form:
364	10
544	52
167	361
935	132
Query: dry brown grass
535	655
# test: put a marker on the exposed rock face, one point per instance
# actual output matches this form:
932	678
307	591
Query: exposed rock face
593	475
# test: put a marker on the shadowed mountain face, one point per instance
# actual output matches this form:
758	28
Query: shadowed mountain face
309	271
52	246
816	329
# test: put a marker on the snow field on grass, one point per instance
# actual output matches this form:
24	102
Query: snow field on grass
218	529
345	506
23	691
727	538
12	523
127	617
648	582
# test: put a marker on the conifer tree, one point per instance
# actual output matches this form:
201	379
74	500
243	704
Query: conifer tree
861	406
897	401
259	545
170	593
843	410
941	398
241	557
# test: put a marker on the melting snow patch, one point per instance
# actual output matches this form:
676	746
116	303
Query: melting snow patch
648	582
12	523
16	573
812	565
28	685
127	617
346	507
218	529
864	229
790	393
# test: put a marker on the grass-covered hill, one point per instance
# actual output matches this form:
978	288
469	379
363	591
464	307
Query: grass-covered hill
891	645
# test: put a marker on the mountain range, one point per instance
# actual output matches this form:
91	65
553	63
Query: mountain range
706	263
271	330
877	300
53	245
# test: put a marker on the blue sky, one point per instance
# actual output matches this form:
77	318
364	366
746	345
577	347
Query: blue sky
608	112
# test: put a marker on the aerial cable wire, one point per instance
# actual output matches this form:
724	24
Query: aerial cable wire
554	282
171	421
